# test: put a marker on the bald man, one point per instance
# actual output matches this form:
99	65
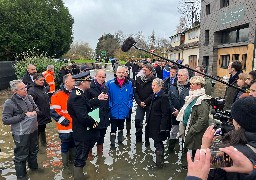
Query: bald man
28	77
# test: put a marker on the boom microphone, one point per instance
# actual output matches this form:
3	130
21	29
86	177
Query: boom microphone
128	43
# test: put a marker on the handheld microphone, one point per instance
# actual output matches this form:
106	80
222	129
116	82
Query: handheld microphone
128	43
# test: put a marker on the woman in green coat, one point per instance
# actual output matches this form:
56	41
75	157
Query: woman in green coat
194	115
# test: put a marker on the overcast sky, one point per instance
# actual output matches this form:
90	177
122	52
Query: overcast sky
93	18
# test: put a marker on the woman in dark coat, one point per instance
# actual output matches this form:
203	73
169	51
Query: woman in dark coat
41	98
158	119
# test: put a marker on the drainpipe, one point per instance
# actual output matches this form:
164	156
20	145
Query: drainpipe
254	52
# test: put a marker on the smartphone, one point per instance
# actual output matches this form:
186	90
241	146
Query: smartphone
220	159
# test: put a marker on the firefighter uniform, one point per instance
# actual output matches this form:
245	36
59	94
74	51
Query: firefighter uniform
84	132
63	120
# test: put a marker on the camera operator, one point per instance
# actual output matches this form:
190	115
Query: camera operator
242	137
234	69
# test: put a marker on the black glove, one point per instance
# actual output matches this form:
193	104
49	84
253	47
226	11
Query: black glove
65	122
91	123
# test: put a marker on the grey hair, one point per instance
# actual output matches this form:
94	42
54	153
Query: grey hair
185	71
120	67
65	77
14	83
50	67
159	82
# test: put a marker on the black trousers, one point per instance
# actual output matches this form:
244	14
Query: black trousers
139	117
83	147
26	149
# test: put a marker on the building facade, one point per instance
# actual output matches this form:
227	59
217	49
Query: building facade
227	33
185	47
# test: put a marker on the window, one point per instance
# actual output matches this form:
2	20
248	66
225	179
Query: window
193	34
243	35
205	63
244	59
235	36
208	9
235	57
224	3
225	59
207	34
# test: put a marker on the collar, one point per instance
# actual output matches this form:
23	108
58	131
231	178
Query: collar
76	87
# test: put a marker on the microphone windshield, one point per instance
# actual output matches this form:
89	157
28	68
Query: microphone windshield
128	43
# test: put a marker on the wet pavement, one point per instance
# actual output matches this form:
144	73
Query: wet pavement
127	161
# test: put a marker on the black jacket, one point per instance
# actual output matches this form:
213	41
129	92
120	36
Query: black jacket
94	92
27	80
159	71
39	94
158	119
78	108
143	90
177	100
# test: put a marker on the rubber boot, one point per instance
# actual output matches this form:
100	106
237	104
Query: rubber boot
159	159
128	127
71	155
78	173
90	156
172	143
43	139
120	137
65	160
20	169
100	149
112	139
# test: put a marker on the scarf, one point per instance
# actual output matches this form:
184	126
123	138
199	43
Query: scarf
182	86
234	78
120	81
197	96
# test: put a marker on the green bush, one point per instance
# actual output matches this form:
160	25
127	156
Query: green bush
41	63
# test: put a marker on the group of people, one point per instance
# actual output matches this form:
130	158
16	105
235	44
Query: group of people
175	107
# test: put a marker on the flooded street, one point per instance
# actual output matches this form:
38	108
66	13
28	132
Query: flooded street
127	161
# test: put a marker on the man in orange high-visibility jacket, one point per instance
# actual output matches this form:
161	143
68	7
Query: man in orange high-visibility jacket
63	120
49	78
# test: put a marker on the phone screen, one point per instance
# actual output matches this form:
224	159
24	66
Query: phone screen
220	159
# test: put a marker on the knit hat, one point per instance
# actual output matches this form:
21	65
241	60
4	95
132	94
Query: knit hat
243	111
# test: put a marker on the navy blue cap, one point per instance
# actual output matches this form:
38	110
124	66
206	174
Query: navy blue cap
84	76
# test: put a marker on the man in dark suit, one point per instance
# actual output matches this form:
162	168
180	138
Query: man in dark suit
84	126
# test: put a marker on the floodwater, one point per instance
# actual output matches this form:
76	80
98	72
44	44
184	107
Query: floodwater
127	161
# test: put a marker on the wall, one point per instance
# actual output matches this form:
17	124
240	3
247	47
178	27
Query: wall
224	18
188	52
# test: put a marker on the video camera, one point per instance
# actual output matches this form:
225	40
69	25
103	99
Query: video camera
224	116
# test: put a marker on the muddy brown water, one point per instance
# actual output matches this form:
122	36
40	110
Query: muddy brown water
127	161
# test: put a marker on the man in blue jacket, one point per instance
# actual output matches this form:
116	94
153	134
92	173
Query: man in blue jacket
120	102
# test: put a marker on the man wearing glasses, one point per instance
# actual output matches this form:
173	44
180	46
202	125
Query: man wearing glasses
20	111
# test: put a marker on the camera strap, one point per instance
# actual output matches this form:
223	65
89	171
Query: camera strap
251	147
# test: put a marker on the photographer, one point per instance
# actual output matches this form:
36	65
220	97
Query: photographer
242	137
234	69
199	169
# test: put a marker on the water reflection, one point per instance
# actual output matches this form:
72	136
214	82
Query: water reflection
127	161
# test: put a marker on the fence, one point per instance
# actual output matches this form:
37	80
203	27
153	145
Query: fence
7	73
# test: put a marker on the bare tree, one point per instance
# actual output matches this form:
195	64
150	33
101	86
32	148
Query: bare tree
190	9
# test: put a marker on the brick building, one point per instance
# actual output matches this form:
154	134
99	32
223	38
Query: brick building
227	33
